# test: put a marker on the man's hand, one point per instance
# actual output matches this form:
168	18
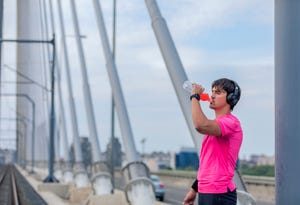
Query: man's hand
197	89
189	197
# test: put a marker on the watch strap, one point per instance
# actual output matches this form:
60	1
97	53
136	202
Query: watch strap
197	96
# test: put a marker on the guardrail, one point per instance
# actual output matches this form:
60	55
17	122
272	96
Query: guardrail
259	180
249	180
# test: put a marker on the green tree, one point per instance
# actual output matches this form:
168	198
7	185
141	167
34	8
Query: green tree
262	170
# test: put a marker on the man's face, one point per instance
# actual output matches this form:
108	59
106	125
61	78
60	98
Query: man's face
218	98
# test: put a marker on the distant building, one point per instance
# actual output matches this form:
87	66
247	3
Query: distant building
157	161
117	156
266	160
259	160
86	151
7	156
187	158
173	160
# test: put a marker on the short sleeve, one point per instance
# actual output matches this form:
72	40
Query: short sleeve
228	124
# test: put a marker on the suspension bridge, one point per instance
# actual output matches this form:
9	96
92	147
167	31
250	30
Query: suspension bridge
42	58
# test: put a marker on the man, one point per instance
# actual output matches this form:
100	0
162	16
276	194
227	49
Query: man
220	145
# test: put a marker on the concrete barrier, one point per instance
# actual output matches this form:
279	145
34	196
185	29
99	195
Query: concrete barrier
262	188
81	195
61	190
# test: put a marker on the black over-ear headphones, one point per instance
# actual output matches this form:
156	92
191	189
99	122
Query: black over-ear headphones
233	98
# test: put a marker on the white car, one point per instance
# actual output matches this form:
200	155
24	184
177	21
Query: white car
159	187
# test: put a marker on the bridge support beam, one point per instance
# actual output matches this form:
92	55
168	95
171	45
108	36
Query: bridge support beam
287	99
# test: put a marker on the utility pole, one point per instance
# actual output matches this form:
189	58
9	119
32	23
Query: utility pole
67	170
50	178
112	162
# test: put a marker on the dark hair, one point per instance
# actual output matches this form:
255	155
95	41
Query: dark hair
232	89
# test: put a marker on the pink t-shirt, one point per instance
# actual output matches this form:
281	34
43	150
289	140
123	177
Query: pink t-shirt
218	157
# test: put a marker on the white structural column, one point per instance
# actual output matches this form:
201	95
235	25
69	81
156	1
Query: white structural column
139	187
81	178
174	66
101	177
29	63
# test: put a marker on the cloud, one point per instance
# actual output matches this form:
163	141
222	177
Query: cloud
194	17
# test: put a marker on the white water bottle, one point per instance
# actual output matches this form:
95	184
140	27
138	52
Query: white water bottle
187	86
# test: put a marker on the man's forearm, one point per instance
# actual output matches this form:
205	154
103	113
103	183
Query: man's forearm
199	118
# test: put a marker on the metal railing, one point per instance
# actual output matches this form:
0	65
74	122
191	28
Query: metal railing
248	179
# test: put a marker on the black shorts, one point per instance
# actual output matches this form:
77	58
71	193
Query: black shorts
228	198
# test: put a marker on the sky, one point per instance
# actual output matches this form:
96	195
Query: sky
214	39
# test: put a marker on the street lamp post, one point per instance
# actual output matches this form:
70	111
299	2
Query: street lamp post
50	178
143	141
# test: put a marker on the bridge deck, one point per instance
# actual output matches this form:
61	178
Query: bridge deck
62	194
